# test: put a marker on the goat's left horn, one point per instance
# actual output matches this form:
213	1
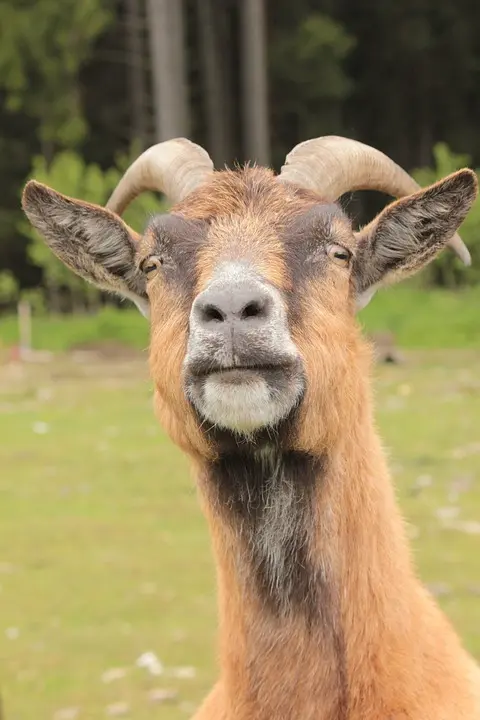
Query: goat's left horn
332	166
174	167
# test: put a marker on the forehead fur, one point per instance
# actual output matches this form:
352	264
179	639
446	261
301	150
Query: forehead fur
233	192
247	214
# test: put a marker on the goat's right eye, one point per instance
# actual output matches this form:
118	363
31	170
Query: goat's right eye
339	254
150	265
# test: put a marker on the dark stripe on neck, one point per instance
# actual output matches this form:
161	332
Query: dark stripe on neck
268	496
271	499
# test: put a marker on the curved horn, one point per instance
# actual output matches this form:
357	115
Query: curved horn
331	166
174	167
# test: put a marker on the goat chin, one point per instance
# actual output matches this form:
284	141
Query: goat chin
246	405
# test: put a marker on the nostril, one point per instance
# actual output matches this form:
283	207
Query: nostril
253	309
210	313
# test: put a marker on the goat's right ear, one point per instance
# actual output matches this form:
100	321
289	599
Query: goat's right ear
411	232
90	240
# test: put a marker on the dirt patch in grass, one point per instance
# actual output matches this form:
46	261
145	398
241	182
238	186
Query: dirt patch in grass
105	350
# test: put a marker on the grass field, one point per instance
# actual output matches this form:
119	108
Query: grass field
104	554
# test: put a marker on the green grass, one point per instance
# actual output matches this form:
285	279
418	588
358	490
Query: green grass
104	553
419	319
59	333
424	319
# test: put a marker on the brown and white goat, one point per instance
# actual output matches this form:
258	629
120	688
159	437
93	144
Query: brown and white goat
251	283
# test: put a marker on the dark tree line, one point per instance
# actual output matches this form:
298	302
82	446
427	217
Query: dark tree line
84	77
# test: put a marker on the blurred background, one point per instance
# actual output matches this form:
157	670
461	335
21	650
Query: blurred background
107	599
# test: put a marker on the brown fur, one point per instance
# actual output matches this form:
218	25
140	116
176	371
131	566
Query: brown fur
375	646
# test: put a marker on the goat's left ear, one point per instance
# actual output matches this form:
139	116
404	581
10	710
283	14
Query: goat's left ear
409	233
90	240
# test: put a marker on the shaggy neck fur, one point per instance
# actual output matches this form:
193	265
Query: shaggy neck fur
319	607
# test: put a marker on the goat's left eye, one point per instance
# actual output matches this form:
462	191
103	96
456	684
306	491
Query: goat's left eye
150	265
339	254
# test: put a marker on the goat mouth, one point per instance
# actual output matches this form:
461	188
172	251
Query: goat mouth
243	372
242	375
246	397
203	370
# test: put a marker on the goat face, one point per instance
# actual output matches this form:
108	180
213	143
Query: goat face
248	279
251	285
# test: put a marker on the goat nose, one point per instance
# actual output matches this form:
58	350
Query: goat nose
232	305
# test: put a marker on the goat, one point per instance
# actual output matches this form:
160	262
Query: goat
251	284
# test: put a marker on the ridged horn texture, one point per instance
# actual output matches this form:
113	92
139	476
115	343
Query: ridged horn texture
332	166
174	167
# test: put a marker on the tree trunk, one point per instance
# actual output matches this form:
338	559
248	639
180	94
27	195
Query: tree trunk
178	48
167	42
254	81
54	299
216	88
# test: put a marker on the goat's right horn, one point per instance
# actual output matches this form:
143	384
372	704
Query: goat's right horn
332	166
174	167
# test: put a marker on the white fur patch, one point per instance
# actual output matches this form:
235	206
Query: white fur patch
243	407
